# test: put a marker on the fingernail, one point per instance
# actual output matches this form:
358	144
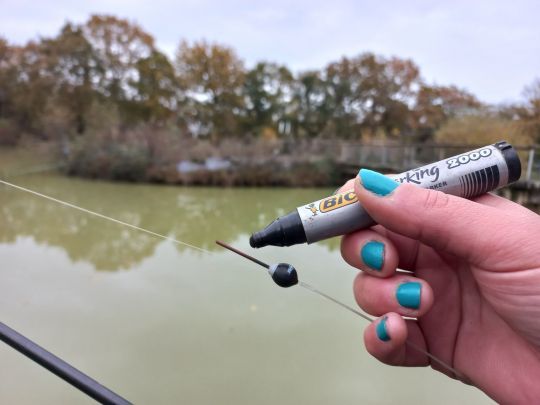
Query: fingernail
382	332
408	294
376	182
372	254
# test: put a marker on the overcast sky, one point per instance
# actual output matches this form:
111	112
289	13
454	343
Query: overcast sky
491	48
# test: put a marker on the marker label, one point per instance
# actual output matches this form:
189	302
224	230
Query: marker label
337	201
466	175
467	157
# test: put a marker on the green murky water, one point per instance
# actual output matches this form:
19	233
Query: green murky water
163	324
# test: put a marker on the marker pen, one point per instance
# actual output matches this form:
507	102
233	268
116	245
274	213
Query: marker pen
466	175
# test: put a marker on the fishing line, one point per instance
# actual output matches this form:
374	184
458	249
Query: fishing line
285	275
370	319
97	214
274	274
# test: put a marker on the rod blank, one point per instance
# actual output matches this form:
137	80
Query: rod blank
223	244
59	367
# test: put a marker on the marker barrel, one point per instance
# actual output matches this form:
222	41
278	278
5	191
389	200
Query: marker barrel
467	175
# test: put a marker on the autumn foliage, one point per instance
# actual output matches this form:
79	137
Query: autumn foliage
103	85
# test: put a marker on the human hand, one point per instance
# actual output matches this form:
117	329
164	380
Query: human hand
474	286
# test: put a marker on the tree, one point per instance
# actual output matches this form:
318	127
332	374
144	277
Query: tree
7	78
267	90
213	77
435	105
386	90
342	80
9	133
156	88
370	94
75	66
33	86
119	46
481	129
308	112
530	113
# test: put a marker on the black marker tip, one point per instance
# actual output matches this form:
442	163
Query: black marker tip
284	231
255	240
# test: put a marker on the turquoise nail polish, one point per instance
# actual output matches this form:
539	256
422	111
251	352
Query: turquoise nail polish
408	295
372	254
376	182
382	333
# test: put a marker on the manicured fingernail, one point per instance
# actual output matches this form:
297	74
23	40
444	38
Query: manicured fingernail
372	254
408	294
376	182
382	332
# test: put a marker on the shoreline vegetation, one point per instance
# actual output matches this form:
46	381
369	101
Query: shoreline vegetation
307	163
118	108
253	162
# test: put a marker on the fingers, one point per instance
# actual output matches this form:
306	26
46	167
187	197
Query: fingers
349	185
403	294
502	203
385	340
494	201
444	222
371	252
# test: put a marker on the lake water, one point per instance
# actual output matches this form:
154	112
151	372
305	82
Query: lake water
164	324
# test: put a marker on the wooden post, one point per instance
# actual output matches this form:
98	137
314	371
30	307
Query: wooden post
413	157
530	163
441	153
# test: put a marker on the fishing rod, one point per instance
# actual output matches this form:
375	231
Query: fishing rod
59	367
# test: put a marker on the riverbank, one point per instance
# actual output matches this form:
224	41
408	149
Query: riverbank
163	156
187	163
138	156
233	163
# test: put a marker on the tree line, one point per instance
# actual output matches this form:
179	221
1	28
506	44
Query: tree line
108	72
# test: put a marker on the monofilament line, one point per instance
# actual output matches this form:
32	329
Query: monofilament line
97	214
370	319
341	304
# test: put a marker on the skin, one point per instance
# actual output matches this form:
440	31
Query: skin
479	265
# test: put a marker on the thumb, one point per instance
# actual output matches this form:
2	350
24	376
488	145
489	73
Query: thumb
442	221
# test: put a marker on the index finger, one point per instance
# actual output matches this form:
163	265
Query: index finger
348	186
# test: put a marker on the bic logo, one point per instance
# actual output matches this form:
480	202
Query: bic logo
337	201
312	208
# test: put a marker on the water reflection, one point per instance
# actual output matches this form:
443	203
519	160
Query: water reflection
197	216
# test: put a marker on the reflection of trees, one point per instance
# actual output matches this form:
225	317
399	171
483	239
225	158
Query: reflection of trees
198	216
